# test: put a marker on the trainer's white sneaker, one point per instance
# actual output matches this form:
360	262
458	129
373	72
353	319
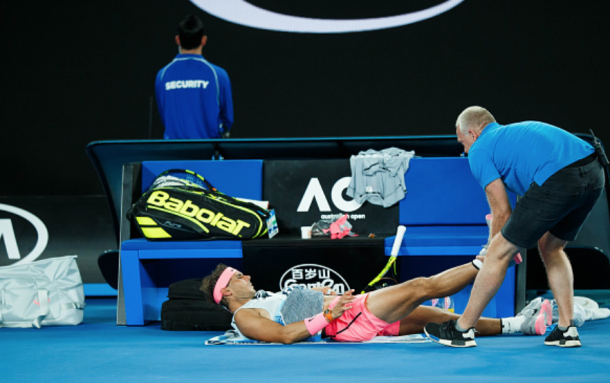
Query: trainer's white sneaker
447	335
567	338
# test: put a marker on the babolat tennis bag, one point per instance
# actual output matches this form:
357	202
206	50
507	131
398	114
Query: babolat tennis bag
182	205
188	310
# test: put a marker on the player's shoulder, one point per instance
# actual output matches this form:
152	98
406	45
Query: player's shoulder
249	313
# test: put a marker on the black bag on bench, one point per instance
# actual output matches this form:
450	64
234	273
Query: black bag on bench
182	205
187	310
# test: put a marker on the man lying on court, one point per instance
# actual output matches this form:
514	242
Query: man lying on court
297	313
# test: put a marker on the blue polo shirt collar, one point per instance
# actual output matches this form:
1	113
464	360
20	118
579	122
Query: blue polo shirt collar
489	127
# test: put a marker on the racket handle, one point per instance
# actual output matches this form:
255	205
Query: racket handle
400	232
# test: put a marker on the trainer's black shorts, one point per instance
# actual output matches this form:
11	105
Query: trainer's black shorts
561	205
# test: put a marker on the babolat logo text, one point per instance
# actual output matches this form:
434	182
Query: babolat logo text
189	209
185	84
312	275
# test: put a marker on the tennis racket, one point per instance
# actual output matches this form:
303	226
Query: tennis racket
181	177
381	280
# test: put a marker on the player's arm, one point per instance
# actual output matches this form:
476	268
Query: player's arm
255	326
499	204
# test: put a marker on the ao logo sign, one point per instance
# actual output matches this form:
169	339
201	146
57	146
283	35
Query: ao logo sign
314	191
311	275
7	233
243	13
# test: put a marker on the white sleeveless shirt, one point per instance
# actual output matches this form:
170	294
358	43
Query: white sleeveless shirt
272	303
303	303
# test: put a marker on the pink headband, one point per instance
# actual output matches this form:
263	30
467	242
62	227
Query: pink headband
223	282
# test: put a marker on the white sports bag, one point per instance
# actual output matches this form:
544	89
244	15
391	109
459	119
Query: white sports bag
41	293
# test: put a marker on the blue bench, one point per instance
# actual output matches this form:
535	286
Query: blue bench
149	267
444	213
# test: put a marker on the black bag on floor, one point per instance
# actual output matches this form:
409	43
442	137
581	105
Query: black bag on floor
187	310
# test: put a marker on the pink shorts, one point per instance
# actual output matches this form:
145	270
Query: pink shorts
359	324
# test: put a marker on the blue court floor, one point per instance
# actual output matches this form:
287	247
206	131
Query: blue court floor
100	351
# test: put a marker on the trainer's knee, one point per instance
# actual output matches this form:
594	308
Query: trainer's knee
501	249
549	246
543	250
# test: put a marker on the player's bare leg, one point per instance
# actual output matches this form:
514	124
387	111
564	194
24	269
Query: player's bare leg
391	304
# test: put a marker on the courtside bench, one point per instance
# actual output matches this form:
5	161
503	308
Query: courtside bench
444	212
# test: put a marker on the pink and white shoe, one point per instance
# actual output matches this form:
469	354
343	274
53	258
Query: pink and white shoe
537	315
548	310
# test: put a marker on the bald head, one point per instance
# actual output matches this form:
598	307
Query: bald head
473	118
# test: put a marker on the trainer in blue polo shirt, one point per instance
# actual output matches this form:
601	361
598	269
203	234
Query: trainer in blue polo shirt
523	153
194	95
559	178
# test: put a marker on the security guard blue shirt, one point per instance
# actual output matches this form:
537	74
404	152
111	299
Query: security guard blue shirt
194	98
522	153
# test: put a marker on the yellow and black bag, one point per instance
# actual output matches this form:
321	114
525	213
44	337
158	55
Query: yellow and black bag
181	205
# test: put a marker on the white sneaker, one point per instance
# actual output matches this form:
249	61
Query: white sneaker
537	315
569	338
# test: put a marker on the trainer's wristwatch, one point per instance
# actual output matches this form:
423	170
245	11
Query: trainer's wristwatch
328	315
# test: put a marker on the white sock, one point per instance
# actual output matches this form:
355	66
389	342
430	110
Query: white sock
512	325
